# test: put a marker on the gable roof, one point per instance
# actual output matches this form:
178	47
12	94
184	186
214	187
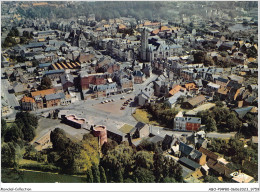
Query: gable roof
27	99
196	100
185	149
243	111
43	92
55	96
167	139
195	154
219	168
210	154
189	163
175	89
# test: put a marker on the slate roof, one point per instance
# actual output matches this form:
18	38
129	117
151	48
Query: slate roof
167	139
156	139
55	96
243	111
193	119
33	45
195	154
50	72
173	99
189	163
42	65
138	73
185	149
139	125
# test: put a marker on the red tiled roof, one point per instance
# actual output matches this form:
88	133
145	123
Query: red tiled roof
175	90
43	92
26	99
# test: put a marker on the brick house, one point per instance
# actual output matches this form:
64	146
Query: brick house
28	103
138	77
39	95
54	99
95	79
187	123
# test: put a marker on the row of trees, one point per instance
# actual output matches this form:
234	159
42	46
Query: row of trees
220	119
162	113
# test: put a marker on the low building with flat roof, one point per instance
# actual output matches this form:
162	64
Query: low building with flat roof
74	121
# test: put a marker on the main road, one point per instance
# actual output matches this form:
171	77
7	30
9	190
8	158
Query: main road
10	98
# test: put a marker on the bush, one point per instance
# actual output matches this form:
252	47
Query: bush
41	167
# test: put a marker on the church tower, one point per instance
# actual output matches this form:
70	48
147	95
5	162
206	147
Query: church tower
144	44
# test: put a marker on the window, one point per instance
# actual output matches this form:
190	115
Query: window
167	53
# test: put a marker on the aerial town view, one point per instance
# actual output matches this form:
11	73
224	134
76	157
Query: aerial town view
129	92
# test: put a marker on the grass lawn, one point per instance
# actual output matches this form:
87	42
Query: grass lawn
26	161
142	116
126	128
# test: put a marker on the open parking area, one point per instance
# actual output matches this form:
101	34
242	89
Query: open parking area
116	107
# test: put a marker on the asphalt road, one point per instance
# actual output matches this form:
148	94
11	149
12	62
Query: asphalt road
9	97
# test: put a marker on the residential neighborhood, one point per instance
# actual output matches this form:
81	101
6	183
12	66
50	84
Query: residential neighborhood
128	98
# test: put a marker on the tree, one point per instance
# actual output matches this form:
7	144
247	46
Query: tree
158	166
8	155
45	83
211	179
219	104
103	178
3	127
169	180
58	139
95	173
143	175
121	158
119	176
211	125
35	63
208	61
89	176
144	159
199	57
233	122
108	146
13	133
